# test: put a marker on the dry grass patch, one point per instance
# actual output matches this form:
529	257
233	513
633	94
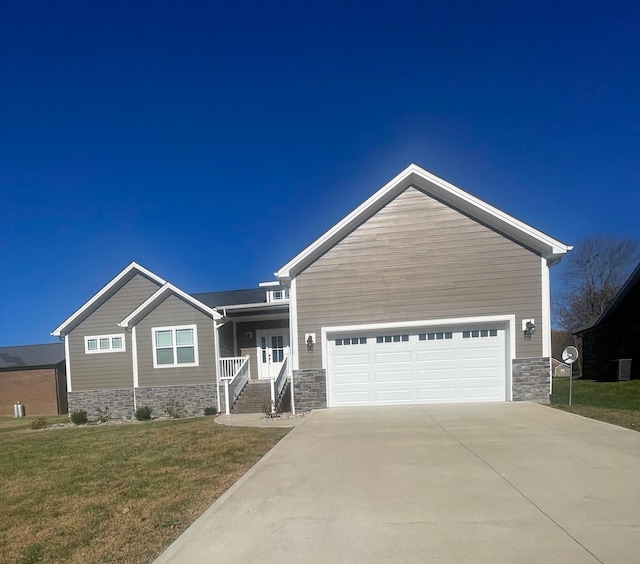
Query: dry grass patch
115	493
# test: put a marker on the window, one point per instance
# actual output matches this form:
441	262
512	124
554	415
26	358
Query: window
278	295
104	343
351	341
435	336
480	333
175	346
392	339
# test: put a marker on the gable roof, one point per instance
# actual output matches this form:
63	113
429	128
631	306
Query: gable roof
414	176
104	294
624	294
25	356
166	290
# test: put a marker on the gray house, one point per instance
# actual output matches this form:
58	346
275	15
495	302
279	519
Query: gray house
423	294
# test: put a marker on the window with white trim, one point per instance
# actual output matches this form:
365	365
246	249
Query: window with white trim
104	344
278	295
175	346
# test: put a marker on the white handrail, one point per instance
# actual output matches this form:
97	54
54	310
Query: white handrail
234	372
277	383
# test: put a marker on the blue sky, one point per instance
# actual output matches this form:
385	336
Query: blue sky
211	142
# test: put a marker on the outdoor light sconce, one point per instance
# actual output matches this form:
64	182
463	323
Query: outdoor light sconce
248	335
310	339
529	328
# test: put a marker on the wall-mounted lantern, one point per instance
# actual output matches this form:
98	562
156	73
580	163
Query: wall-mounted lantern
528	328
310	339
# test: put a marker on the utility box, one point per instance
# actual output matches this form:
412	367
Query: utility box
620	369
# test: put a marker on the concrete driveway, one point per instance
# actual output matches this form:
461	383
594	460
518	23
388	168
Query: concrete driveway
510	482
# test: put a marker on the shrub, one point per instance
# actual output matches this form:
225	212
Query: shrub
210	410
103	415
79	417
271	410
39	423
143	413
174	408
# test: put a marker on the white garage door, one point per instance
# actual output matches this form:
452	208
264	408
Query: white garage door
429	365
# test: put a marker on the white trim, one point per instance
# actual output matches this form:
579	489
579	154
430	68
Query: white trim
422	323
258	317
235	339
174	346
551	249
508	321
216	348
62	329
98	338
258	305
269	284
67	362
546	309
293	327
167	288
134	357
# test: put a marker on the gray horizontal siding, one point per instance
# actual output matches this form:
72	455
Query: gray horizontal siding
171	312
107	370
418	259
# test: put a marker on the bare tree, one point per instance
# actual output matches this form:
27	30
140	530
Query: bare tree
594	272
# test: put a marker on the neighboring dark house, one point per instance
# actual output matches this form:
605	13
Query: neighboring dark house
33	375
615	336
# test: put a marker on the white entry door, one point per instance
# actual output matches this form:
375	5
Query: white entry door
273	347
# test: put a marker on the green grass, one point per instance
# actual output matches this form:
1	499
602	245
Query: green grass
613	402
114	493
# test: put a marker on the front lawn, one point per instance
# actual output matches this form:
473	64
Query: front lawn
613	402
114	493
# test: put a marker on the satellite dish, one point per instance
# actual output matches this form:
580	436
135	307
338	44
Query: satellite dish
570	355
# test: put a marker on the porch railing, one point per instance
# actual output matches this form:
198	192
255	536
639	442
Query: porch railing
277	383
234	372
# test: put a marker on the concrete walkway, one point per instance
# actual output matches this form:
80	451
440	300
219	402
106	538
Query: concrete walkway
512	482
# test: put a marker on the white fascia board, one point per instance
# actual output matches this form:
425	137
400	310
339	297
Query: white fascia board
551	249
152	301
62	329
258	305
510	318
269	284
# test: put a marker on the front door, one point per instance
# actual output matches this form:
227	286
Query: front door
273	347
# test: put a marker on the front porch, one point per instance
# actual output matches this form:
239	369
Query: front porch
242	394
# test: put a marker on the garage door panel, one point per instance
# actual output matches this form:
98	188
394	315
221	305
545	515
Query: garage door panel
432	394
430	365
388	376
354	359
388	396
436	375
347	378
435	355
480	352
392	357
354	398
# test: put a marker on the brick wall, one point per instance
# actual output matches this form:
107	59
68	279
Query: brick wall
531	379
35	389
309	389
